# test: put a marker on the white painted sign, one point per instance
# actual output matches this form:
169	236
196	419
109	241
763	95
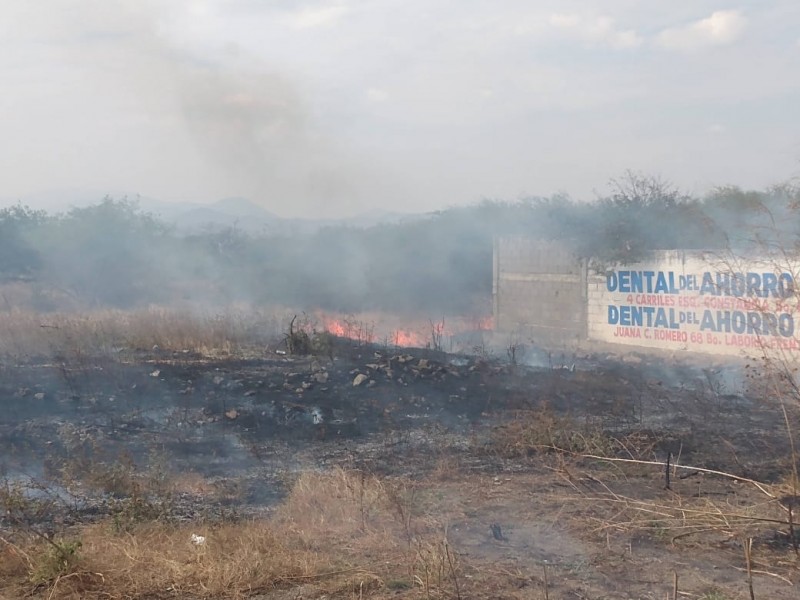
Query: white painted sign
696	302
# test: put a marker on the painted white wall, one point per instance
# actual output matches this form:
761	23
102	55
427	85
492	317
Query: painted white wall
680	301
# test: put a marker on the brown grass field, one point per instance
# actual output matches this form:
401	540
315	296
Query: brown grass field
479	481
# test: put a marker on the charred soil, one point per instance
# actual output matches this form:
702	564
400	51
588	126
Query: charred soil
373	471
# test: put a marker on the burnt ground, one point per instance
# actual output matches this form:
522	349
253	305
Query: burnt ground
232	434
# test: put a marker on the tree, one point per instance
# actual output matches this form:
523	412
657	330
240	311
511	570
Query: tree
637	190
18	258
644	213
108	254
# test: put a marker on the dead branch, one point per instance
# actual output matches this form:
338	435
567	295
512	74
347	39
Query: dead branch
758	485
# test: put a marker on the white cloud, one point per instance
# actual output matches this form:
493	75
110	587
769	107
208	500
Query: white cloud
721	28
419	102
377	95
596	29
323	16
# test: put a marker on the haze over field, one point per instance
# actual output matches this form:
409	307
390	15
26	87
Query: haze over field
330	109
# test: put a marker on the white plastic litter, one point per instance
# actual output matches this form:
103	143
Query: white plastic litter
198	540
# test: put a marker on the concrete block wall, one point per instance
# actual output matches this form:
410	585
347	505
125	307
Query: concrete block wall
539	289
542	291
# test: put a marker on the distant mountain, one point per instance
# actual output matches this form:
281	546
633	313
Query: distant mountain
248	216
212	218
194	217
166	211
228	212
242	207
378	216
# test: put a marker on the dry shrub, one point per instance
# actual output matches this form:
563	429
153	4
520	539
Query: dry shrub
14	561
542	430
701	507
385	521
339	502
302	338
354	506
59	558
447	468
434	567
689	517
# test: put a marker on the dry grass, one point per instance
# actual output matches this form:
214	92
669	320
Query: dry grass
543	430
338	501
234	558
192	483
357	511
679	516
156	560
345	533
79	336
76	334
702	507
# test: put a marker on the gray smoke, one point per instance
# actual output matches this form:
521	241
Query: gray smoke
206	123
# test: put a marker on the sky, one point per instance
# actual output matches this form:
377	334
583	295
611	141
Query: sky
330	109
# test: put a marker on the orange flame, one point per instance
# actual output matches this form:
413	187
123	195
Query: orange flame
485	323
408	339
336	328
424	333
